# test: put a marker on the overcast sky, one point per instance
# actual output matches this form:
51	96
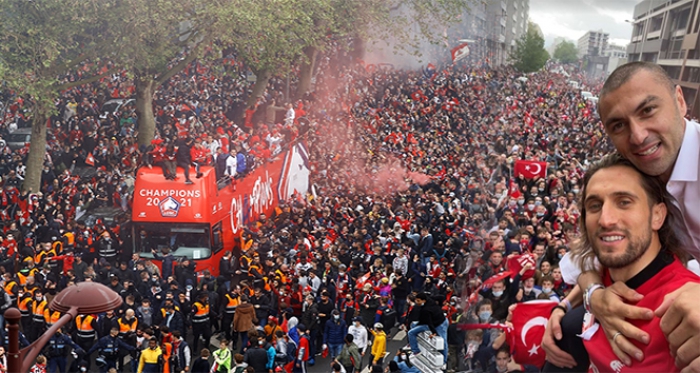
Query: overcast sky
571	19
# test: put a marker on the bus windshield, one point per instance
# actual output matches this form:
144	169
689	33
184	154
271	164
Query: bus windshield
191	241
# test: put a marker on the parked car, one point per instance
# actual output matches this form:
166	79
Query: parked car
17	139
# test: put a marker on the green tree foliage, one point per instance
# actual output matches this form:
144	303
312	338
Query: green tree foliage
42	43
566	52
529	54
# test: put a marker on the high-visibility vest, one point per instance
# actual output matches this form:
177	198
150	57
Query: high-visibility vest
57	247
10	289
125	327
163	311
201	315
83	325
231	303
23	278
42	254
282	276
70	238
51	317
38	309
23	306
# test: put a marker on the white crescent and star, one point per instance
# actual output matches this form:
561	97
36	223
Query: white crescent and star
539	168
535	321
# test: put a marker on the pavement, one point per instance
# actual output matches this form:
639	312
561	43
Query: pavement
397	340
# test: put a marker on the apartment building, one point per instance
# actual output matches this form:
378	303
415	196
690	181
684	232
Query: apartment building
593	43
666	32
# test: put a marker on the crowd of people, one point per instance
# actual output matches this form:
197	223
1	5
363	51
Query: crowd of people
416	211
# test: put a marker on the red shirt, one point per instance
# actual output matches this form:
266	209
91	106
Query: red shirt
654	287
303	348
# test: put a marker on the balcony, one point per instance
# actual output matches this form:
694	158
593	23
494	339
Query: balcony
655	34
637	38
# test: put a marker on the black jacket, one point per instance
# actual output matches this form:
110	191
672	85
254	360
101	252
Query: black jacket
200	365
256	357
431	315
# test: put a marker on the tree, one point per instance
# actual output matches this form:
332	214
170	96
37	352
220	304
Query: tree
161	38
43	43
529	54
566	52
408	22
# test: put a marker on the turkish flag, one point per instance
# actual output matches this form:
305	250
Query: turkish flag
90	160
517	262
459	52
530	169
529	321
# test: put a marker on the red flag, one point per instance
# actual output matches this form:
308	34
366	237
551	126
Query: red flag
529	321
530	169
90	160
517	262
513	190
495	278
459	52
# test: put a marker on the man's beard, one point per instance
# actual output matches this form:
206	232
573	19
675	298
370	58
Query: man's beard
634	250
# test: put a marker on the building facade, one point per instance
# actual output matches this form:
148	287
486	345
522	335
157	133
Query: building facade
593	43
617	55
505	22
666	32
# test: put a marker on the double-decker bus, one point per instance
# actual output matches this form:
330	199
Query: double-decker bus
203	220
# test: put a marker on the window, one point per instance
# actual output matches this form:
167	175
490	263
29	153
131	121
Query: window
674	48
680	19
185	240
656	23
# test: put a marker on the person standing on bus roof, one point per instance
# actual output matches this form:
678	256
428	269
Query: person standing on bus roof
183	157
231	164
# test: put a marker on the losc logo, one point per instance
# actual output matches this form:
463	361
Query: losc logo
169	207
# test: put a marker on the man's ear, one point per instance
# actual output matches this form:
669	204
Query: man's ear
658	216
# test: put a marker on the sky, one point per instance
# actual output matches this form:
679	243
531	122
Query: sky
571	19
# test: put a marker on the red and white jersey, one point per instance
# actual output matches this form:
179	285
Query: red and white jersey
654	283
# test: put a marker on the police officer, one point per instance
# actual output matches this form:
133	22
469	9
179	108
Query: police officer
5	338
56	350
110	347
201	326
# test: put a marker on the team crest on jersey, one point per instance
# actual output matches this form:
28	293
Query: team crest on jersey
616	365
169	207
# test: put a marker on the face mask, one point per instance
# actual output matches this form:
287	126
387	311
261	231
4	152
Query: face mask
403	357
575	191
530	206
540	214
546	290
528	289
484	315
540	189
341	274
537	203
512	203
358	324
521	202
38	299
560	256
336	317
497	293
555	196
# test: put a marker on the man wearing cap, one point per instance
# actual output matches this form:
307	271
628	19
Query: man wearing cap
334	332
378	343
304	350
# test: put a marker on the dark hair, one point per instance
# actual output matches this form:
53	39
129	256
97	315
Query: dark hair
672	236
422	296
624	73
504	348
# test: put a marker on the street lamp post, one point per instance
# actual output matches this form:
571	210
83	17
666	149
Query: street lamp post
82	298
